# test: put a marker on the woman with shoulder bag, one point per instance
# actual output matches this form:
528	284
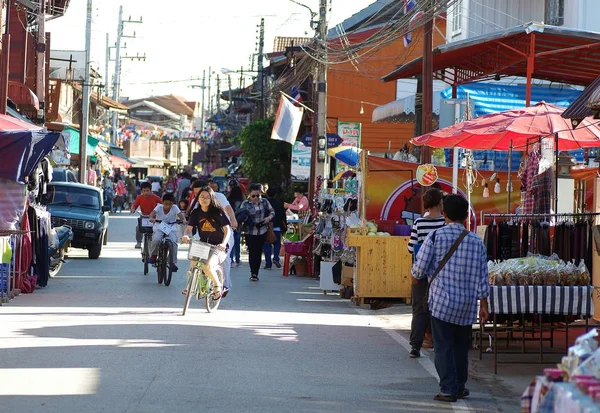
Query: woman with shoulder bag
259	214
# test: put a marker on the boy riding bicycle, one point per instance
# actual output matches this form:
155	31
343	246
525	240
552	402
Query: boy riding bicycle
147	201
167	213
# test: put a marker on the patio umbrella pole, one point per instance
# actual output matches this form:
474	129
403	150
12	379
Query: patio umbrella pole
556	173
509	184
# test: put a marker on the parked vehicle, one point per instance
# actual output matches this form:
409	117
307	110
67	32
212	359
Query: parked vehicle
63	175
57	252
81	207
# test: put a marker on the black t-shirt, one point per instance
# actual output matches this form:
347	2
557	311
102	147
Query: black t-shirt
209	230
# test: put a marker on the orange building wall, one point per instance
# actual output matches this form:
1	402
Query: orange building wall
347	87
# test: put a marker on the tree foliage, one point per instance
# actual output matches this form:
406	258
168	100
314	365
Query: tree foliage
265	160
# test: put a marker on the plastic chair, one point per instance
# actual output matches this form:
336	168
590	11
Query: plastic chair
299	249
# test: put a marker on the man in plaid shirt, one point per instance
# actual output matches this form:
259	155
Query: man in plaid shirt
453	296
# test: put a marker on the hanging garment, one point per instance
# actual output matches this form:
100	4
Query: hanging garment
543	239
515	238
525	239
531	170
504	241
5	250
541	189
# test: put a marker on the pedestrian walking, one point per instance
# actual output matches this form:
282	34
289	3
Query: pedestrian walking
235	199
183	183
258	213
420	327
460	279
279	224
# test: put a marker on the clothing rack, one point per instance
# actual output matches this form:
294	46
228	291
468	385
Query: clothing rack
553	215
9	274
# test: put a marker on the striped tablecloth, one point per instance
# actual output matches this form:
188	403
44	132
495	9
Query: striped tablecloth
525	299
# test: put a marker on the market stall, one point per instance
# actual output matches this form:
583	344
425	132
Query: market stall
24	225
573	386
540	280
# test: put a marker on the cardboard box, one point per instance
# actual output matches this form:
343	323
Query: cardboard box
347	276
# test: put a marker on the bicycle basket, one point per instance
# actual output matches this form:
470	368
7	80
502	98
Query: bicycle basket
200	251
144	225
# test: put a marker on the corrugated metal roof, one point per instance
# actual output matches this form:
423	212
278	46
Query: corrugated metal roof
505	53
580	108
362	15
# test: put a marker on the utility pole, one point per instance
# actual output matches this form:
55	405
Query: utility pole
261	68
117	75
427	78
218	97
203	87
40	78
318	168
106	81
210	102
85	90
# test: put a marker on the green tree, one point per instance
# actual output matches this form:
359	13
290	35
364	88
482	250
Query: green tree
265	160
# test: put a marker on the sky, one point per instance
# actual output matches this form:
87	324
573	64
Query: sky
181	38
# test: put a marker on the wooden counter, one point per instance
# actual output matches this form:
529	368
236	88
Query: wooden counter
382	267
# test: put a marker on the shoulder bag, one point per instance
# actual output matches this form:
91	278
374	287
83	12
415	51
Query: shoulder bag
271	237
449	254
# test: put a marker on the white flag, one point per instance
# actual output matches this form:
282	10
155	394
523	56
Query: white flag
287	121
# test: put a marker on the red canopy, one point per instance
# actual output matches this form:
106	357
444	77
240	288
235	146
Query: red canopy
9	123
119	162
521	126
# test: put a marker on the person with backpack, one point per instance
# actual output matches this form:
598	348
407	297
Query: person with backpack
255	213
279	224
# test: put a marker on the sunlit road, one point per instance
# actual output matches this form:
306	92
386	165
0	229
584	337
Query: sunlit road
104	338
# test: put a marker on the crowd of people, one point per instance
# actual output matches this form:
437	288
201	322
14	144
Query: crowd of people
245	215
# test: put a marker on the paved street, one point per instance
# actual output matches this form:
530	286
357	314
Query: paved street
104	338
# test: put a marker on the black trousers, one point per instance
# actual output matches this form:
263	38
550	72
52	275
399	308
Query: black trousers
420	317
255	245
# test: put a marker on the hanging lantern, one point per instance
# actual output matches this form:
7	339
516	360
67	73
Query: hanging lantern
497	186
486	191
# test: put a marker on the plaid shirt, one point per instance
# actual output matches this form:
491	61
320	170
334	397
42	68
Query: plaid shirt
454	293
257	213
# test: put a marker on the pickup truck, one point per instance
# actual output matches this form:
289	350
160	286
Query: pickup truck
80	207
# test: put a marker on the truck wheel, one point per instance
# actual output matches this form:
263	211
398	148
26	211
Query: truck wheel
94	250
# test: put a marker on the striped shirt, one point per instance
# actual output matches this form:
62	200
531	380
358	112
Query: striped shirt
453	294
421	228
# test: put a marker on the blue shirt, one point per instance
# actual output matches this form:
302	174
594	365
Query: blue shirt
453	294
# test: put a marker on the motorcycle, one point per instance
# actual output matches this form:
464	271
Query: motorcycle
57	251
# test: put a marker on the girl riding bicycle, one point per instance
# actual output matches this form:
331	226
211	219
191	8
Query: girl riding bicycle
212	227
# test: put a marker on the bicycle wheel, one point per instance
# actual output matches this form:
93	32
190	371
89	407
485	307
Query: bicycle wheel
169	253
211	303
161	268
191	288
146	253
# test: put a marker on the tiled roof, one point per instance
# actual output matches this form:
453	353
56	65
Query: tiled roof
170	102
281	43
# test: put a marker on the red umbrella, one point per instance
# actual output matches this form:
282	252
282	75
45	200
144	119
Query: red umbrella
8	124
521	126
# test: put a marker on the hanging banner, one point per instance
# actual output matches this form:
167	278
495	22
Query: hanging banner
300	169
394	193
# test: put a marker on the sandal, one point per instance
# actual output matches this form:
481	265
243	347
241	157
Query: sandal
216	293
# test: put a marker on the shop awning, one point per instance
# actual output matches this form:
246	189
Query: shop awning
144	162
74	136
486	98
581	108
119	162
558	55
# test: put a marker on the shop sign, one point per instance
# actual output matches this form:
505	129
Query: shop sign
300	168
350	133
333	140
427	174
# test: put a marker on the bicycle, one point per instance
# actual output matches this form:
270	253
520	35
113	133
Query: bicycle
146	228
166	252
198	283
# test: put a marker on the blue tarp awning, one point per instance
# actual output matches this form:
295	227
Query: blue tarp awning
22	151
74	137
